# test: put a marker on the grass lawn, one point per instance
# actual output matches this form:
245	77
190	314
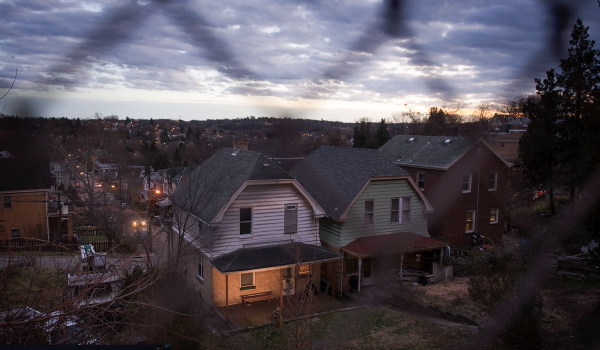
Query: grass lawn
367	328
38	288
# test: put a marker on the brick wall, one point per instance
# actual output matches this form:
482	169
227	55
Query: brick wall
444	190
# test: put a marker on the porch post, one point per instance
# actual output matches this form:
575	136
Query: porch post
441	255
359	273
333	282
281	290
227	296
401	262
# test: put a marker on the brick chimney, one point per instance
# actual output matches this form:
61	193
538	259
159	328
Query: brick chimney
240	143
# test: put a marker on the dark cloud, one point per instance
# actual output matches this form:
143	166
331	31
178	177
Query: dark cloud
290	49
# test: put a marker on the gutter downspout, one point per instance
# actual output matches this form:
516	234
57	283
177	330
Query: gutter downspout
47	216
478	183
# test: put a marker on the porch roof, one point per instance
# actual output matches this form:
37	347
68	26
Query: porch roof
282	255
393	243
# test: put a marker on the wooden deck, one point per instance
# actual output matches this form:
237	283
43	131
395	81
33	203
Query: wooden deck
260	313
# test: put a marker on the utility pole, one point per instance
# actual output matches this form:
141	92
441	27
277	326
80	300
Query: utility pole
149	212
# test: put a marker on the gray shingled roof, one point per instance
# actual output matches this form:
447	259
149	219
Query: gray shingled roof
429	151
334	176
247	259
212	184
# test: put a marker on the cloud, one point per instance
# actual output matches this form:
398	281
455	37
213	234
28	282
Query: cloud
354	50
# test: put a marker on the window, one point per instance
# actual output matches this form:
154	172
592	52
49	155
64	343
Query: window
369	213
400	205
15	232
2	225
470	221
290	219
421	180
405	210
494	216
7	202
492	181
395	211
247	280
304	271
245	221
351	264
466	187
199	266
501	144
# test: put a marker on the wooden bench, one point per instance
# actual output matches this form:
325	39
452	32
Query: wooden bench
248	297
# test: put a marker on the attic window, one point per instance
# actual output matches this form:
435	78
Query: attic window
447	141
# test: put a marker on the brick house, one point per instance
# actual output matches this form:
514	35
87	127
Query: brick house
465	180
251	229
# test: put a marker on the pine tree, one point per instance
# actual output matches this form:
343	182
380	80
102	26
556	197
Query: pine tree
382	135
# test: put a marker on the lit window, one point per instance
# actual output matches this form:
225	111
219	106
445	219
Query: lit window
492	181
494	216
466	187
2	225
199	266
421	180
245	221
247	280
470	221
369	213
304	271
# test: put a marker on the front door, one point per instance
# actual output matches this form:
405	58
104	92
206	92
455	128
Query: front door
288	281
367	272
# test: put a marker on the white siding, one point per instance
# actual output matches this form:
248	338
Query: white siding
268	205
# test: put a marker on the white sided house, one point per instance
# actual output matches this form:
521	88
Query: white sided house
253	230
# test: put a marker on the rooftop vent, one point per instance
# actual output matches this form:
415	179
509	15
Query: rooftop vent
447	141
265	165
412	139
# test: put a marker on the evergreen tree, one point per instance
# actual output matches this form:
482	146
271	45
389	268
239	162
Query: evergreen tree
382	135
579	79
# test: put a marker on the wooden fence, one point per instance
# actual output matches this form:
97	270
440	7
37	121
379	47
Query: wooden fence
87	231
28	244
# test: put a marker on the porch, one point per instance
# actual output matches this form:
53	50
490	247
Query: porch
260	313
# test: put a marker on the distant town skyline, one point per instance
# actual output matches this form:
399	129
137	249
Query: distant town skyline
333	60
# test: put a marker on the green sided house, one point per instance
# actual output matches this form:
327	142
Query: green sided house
375	216
247	230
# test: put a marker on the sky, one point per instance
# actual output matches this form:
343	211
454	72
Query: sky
331	59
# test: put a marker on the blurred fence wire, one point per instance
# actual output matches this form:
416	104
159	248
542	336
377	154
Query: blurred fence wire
390	24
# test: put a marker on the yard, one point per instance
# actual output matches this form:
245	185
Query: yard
451	295
38	288
364	328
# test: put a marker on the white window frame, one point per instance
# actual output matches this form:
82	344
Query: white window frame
419	173
242	222
392	210
253	285
497	211
403	209
12	232
495	182
372	213
199	266
470	183
474	219
291	207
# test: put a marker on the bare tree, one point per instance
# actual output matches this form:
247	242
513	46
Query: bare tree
10	88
